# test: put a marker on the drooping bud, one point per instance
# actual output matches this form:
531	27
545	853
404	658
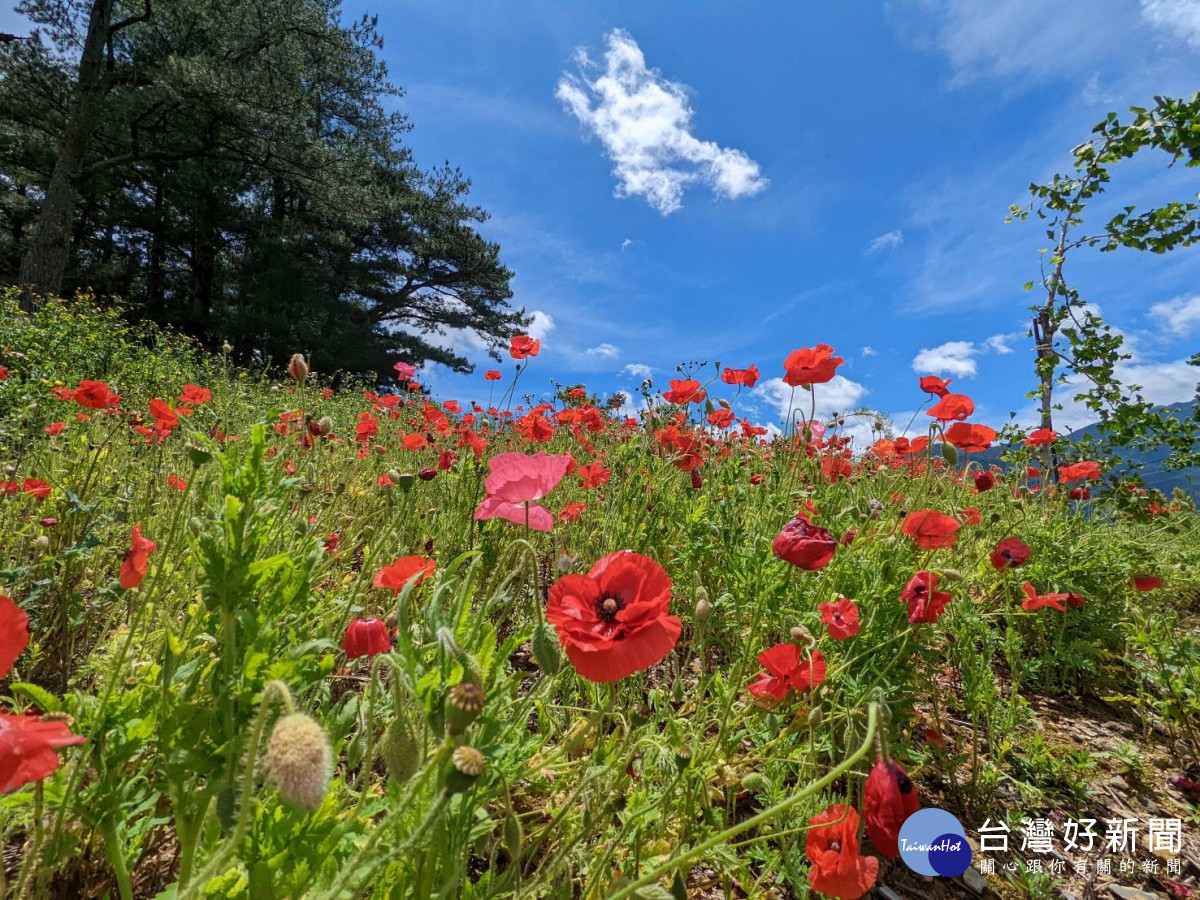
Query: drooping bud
299	761
324	425
466	765
703	605
463	705
298	368
40	545
401	751
950	454
546	651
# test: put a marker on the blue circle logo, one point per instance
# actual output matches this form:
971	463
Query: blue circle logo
933	842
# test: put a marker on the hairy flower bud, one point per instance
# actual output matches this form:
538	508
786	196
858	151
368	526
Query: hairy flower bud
324	425
401	751
299	761
298	368
546	651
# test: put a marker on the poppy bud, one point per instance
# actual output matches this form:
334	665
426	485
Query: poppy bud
299	761
324	425
393	476
800	633
952	574
546	651
226	348
703	606
815	717
466	765
427	474
298	368
463	704
49	522
400	750
40	545
10	470
697	481
514	836
950	454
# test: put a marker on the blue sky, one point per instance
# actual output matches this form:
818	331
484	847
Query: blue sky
719	181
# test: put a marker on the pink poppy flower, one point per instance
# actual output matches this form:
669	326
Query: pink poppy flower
515	481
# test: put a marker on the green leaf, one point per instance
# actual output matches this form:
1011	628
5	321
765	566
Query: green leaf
39	696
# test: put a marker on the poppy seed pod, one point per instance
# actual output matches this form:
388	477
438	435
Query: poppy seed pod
299	761
463	705
466	765
298	368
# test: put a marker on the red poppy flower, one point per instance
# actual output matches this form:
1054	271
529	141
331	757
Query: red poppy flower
788	669
95	395
27	749
1033	600
721	418
831	845
889	798
515	481
55	428
984	481
571	512
35	488
970	438
492	375
615	620
14	633
930	529
1080	471
176	482
925	602
1010	553
841	617
523	346
414	441
593	475
395	577
1041	437
931	384
747	377
133	567
804	545
3	373
951	407
684	391
811	365
757	478
365	637
971	516
194	395
1079	493
1147	582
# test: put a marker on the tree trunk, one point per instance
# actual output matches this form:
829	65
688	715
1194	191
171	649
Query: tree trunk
45	260
154	275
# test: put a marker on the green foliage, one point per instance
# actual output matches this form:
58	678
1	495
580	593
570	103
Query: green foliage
243	180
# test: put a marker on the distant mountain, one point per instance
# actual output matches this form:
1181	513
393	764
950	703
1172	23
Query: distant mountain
1151	461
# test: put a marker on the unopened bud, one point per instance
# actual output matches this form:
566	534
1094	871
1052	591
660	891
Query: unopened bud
324	425
299	761
298	368
40	545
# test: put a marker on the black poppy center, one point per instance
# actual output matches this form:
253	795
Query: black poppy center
608	605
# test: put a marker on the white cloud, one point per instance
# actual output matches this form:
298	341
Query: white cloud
950	358
604	351
1180	315
542	325
889	241
637	370
869	351
1018	40
644	122
998	343
837	396
626	244
1178	18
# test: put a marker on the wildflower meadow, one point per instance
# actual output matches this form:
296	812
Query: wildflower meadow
268	632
